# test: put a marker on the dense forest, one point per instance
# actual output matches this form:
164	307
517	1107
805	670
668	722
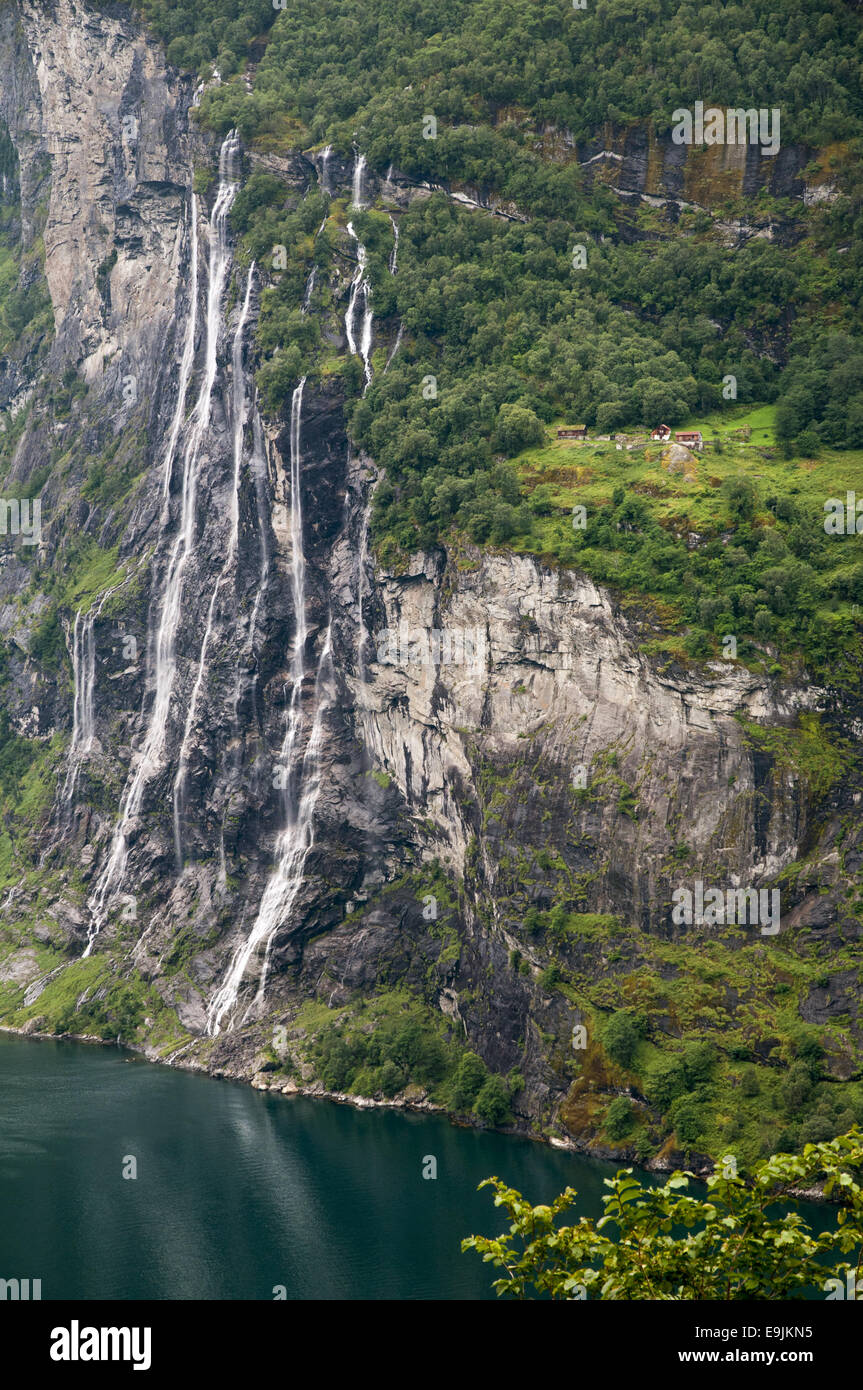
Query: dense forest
369	66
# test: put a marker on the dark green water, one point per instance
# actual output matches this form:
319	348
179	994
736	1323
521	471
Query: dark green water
237	1191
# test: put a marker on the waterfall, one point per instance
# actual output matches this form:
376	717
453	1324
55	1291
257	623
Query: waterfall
396	345
238	397
360	287
149	760
299	794
310	285
357	188
394	265
84	685
394	258
362	581
292	851
325	159
298	836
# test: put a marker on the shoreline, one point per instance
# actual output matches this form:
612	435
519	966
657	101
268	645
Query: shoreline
421	1105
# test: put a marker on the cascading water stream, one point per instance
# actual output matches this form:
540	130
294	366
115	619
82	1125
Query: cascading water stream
394	265
150	758
310	285
394	258
396	345
299	794
360	287
362	587
325	159
357	188
361	347
238	397
298	836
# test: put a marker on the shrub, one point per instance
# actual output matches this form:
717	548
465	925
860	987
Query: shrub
618	1121
687	1118
492	1103
621	1035
665	1081
735	1242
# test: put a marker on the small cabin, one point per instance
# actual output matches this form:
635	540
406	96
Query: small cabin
690	437
573	432
662	432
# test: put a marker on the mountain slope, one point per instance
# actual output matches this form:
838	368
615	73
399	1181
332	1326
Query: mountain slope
336	755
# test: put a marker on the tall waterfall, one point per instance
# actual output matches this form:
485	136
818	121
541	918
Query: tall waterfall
238	400
151	756
360	288
299	793
394	265
363	560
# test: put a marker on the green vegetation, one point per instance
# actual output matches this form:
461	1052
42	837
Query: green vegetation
752	1079
391	1042
198	33
516	339
761	567
342	66
740	1240
400	1049
87	997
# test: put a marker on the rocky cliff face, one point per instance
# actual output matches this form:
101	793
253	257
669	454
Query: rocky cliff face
258	752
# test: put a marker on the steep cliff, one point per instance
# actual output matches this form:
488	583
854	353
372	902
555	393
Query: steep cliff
257	780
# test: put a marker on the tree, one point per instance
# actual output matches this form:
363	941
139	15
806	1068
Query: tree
620	1037
492	1104
664	1082
618	1121
470	1076
740	497
742	1240
517	427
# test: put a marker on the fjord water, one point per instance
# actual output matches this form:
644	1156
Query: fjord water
237	1191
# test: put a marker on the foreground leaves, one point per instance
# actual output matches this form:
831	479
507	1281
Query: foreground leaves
738	1241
